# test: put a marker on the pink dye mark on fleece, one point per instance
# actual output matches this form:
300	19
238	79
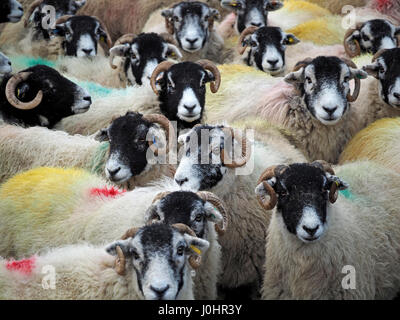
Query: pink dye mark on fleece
107	192
24	266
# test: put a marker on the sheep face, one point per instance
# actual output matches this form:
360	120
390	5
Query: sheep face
157	258
324	86
5	66
187	208
61	98
267	49
10	11
251	12
303	194
183	93
375	35
191	23
201	167
81	35
143	55
128	146
62	7
386	68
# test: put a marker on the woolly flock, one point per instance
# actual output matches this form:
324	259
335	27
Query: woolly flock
211	149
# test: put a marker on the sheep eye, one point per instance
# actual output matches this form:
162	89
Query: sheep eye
206	18
199	217
308	79
365	37
381	70
176	19
180	250
346	79
135	255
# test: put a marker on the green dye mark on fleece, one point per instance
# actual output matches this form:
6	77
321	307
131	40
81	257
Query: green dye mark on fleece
347	194
99	159
26	62
95	90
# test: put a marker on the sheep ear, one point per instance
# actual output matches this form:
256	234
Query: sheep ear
359	74
372	70
212	214
342	185
290	39
152	214
350	40
123	244
397	31
120	50
295	77
182	138
231	4
273	5
167	13
173	52
102	135
79	4
215	14
59	30
196	245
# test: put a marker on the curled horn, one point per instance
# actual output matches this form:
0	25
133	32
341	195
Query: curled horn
350	52
378	54
302	64
126	38
194	261
246	152
165	124
249	30
63	19
353	97
12	98
217	202
160	196
208	65
169	25
333	192
30	10
162	67
103	26
120	261
266	175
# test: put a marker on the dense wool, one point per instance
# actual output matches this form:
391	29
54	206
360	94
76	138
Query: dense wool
362	232
379	142
335	6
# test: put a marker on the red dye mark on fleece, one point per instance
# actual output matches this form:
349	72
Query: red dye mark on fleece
382	4
107	192
24	266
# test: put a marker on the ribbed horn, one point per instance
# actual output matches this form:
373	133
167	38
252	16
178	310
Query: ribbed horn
30	10
378	54
218	203
273	199
120	262
353	97
126	38
63	19
352	52
302	64
162	67
246	151
333	192
166	125
160	196
208	65
249	30
103	26
12	98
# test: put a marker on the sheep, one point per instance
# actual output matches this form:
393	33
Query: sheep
190	25
122	145
171	98
124	269
243	243
40	96
312	243
379	142
5	66
11	11
102	213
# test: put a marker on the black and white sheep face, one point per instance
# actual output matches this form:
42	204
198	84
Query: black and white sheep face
386	69
267	49
324	84
61	98
143	55
128	137
81	35
10	11
5	66
158	255
200	167
303	199
191	24
183	93
251	12
187	208
375	35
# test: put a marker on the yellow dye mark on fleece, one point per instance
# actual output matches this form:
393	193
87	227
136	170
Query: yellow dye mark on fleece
36	190
314	9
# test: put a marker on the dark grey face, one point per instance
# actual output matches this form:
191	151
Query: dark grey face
267	49
61	98
143	55
387	70
251	12
187	208
375	35
157	255
183	93
62	7
5	66
324	86
303	191
81	35
201	167
10	11
191	24
128	146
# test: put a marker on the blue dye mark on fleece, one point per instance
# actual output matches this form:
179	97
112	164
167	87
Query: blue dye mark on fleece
95	90
27	62
347	194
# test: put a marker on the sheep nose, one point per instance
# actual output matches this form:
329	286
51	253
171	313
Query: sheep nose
181	181
192	41
397	95
113	172
311	231
20	8
9	63
88	98
189	108
330	111
272	62
87	51
256	24
160	291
